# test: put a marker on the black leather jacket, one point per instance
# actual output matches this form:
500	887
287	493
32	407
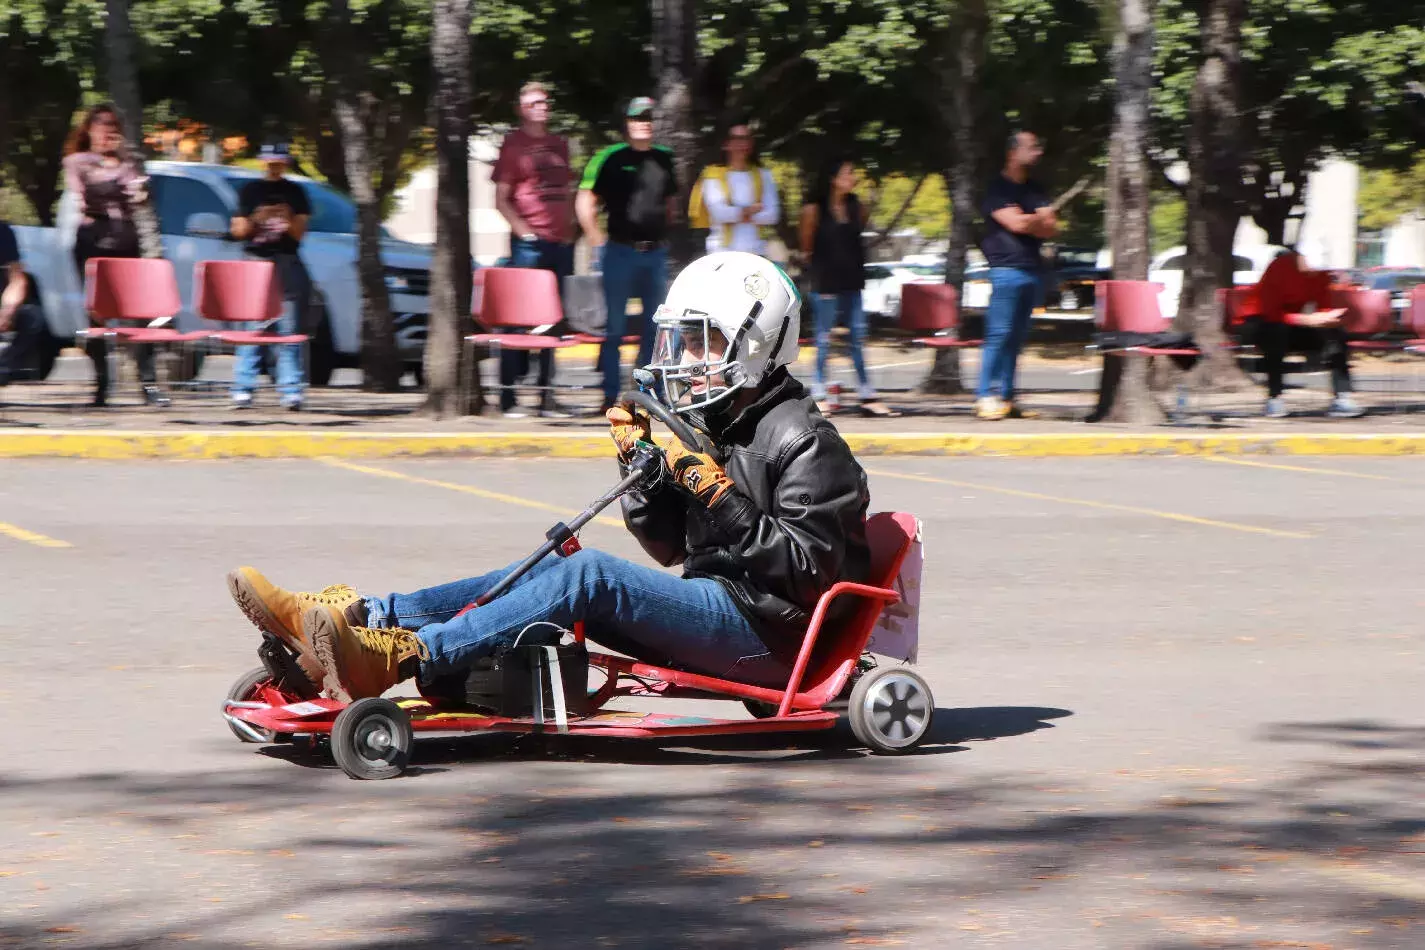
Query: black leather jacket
794	524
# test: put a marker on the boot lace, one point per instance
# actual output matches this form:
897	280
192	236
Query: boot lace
333	596
389	641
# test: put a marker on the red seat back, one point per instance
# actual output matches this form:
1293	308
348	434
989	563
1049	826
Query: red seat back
929	307
1237	304
519	297
889	534
477	292
1368	312
1415	313
237	291
122	288
1129	306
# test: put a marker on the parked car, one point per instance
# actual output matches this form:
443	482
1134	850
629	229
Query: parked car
1167	269
195	203
1399	281
1073	273
881	297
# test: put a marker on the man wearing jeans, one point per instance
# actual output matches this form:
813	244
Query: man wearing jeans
637	186
272	218
532	193
1018	218
761	534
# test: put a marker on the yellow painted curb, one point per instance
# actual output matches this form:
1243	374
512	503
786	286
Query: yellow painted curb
200	445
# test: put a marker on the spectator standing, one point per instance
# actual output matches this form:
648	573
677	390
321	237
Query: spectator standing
271	219
1018	219
532	192
109	180
20	315
832	248
737	202
1286	287
637	186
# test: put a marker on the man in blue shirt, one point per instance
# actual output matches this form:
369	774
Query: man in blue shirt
1018	218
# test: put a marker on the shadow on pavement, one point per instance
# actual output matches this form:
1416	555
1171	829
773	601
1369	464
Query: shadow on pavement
811	853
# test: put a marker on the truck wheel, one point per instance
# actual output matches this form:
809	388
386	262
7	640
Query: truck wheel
321	348
47	353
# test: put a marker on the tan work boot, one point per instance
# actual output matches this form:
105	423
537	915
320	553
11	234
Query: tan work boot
1015	412
279	612
991	408
360	661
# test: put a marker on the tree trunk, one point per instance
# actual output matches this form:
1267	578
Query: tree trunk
353	108
124	88
1214	191
675	60
1124	394
961	70
450	269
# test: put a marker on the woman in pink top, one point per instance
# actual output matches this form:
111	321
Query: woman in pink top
109	180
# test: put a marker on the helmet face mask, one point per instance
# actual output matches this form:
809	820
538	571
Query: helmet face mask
731	319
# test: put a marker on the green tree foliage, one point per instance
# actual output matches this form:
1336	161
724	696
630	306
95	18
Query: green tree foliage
1386	195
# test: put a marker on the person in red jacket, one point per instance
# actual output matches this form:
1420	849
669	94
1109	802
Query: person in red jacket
1288	288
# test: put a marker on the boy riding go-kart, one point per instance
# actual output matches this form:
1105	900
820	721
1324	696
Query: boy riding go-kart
765	511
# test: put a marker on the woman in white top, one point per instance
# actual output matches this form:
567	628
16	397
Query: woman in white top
740	197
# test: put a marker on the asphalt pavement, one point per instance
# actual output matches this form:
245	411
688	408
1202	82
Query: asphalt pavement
1179	706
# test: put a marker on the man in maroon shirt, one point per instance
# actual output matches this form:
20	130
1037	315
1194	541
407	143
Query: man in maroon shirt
532	192
1287	289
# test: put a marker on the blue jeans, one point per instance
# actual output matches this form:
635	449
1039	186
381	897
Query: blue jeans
514	364
1013	292
827	308
646	613
629	273
296	289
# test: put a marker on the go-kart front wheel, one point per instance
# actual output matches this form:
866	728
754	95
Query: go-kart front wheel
372	739
890	710
243	691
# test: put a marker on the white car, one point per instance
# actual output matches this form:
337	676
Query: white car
1167	269
882	294
195	203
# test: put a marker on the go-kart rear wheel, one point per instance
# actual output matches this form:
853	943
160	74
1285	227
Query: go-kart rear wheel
245	690
890	710
372	739
759	709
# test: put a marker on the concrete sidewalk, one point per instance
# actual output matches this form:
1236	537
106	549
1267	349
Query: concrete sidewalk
55	420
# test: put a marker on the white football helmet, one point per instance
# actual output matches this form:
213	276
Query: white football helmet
730	319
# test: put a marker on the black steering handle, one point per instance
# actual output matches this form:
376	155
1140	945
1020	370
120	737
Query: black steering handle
691	438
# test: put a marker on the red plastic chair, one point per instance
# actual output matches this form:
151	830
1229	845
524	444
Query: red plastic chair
827	657
1131	306
1368	314
241	292
1414	319
933	308
123	290
514	299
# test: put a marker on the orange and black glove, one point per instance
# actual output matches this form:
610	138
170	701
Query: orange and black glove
696	473
627	429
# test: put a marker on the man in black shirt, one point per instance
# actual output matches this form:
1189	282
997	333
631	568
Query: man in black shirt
637	186
1018	218
20	314
271	219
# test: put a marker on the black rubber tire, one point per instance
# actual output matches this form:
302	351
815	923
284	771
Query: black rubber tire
891	710
759	709
372	739
321	349
46	354
244	689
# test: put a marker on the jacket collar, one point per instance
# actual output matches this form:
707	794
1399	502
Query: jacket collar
776	389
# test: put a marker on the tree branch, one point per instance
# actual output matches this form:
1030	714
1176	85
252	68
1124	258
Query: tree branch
896	218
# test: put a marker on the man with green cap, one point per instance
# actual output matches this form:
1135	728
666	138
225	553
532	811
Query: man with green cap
637	187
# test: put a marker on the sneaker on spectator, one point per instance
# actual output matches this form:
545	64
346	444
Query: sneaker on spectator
242	400
991	408
292	403
1345	407
550	409
1276	408
515	412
